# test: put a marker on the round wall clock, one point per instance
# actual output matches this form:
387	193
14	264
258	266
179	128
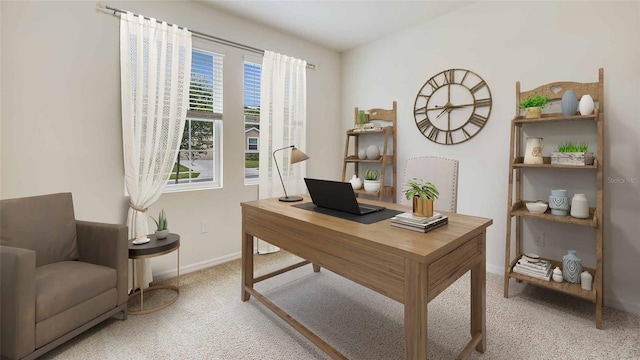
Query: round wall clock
452	106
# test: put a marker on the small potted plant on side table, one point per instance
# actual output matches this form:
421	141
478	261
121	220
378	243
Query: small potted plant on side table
533	106
423	194
372	180
162	230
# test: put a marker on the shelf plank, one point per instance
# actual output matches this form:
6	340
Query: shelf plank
555	117
386	191
564	287
355	159
353	132
519	163
520	209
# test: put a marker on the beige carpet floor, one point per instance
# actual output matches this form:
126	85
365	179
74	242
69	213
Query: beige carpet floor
210	322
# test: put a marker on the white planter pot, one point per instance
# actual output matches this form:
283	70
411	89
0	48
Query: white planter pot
371	185
586	105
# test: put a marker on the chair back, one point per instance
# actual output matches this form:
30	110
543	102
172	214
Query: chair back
441	172
45	224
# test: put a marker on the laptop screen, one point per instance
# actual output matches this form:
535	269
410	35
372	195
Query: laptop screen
334	195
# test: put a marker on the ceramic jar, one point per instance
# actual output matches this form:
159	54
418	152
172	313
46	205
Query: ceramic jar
569	103
580	206
559	202
373	152
585	280
571	267
533	150
586	105
557	274
362	154
356	183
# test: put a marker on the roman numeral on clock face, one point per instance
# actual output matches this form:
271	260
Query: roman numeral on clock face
433	134
482	102
422	110
478	120
478	86
424	125
449	76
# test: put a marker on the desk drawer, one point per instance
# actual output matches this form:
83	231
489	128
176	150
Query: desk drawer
449	268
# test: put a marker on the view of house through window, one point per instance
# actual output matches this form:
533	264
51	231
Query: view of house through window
251	120
198	162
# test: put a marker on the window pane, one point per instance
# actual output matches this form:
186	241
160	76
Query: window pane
252	72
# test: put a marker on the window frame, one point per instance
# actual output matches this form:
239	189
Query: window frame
217	120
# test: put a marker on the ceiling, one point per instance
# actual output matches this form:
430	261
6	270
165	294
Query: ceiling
338	25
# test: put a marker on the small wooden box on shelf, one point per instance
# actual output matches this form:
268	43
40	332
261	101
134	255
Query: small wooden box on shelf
516	210
387	160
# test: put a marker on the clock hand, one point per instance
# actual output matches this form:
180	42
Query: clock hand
442	113
459	106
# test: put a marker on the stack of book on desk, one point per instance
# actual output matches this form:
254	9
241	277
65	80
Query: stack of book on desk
417	223
534	267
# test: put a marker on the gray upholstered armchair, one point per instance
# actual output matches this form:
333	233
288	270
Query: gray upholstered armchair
60	276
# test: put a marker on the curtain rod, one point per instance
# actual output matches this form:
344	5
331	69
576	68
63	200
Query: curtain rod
203	35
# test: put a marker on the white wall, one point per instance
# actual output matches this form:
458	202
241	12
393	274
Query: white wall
61	122
534	43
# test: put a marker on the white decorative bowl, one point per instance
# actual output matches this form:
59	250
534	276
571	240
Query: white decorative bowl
537	208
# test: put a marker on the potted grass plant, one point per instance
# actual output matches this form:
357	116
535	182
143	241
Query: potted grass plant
570	153
423	193
533	105
371	180
162	229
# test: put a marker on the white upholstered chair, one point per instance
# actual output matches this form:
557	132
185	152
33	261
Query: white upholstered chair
441	172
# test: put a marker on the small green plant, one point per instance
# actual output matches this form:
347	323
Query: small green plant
161	223
371	174
418	187
573	147
534	101
362	117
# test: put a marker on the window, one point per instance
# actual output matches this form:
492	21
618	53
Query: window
252	144
199	160
252	72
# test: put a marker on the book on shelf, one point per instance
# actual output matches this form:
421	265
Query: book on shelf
540	265
422	227
533	273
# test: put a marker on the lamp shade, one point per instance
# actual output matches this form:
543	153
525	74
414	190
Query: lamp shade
298	156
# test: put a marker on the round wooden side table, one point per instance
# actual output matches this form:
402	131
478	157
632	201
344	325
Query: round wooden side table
155	247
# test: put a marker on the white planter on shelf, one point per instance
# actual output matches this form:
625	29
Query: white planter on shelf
371	185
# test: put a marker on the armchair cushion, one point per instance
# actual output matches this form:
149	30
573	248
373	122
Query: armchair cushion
65	284
45	224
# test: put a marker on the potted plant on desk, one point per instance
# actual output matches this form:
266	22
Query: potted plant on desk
372	180
423	194
162	230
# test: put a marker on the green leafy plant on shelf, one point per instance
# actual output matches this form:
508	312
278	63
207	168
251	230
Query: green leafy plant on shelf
161	223
424	189
534	101
371	175
573	147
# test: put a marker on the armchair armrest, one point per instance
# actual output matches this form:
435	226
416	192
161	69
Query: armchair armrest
106	245
18	308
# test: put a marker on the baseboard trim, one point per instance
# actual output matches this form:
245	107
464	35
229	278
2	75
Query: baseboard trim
171	273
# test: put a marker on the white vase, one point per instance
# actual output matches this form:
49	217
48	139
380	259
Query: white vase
557	274
371	185
580	206
586	105
362	154
585	280
355	182
373	152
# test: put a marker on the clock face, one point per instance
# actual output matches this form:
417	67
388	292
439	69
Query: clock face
452	106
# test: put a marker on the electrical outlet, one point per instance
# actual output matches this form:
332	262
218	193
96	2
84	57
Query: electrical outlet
538	239
204	227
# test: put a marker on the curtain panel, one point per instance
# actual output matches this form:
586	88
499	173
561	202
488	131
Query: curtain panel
155	63
283	118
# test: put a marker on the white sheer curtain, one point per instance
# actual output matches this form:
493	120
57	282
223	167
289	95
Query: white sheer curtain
283	118
155	65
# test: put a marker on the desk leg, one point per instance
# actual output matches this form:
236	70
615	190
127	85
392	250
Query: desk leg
316	268
478	297
247	265
415	310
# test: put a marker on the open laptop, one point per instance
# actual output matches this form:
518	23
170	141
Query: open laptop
337	195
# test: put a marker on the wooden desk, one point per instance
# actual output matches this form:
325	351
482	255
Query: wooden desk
409	267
